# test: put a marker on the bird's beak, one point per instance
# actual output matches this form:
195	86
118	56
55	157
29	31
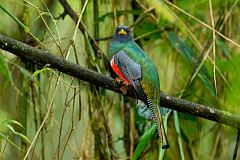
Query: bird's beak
122	32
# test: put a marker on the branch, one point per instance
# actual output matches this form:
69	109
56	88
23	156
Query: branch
44	57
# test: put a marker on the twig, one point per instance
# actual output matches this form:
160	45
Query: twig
44	57
213	46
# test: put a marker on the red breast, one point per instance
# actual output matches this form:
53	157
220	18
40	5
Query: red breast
117	71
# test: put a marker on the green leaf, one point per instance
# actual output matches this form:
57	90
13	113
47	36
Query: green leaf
11	128
148	30
182	47
40	71
4	71
207	84
144	141
224	48
20	24
3	136
164	12
18	133
25	138
12	121
180	141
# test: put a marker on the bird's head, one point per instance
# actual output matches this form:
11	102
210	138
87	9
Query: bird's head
122	33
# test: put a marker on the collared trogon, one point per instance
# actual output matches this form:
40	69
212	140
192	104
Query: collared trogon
133	66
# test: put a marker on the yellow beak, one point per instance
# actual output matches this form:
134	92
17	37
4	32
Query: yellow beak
122	32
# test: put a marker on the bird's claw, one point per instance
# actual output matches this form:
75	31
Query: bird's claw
124	85
119	81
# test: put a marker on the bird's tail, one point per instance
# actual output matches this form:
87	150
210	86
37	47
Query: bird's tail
161	130
159	122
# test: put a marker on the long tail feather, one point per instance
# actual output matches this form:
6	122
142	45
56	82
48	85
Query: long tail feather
160	127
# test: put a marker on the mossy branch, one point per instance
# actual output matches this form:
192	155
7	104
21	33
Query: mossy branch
44	57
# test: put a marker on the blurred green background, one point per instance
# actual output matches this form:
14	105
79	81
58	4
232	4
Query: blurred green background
83	121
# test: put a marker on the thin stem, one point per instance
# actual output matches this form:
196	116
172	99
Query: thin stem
213	45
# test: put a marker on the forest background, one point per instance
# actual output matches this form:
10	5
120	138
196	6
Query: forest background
45	114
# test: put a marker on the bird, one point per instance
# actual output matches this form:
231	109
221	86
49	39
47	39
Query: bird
135	68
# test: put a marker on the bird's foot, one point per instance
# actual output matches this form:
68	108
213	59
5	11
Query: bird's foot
124	85
119	81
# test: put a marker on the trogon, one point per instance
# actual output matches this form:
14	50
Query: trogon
135	68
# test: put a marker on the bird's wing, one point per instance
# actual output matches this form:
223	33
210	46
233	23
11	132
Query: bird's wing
131	71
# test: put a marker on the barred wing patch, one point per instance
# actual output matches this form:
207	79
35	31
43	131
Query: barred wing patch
131	71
